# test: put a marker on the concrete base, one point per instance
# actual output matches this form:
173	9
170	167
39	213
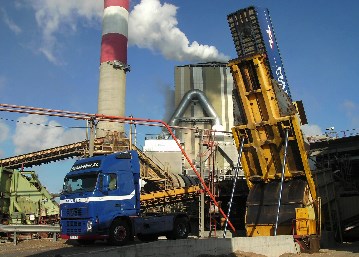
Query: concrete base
268	246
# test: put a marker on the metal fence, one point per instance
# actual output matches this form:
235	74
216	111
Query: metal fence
18	229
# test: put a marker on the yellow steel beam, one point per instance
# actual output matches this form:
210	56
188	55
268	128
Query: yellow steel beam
268	112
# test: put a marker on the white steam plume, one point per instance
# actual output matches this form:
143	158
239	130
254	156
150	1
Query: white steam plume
30	137
154	26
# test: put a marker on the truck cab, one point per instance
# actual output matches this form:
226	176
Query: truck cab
101	200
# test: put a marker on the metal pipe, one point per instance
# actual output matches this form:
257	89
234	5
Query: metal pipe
320	215
30	228
201	197
83	116
186	100
239	165
131	135
92	138
282	180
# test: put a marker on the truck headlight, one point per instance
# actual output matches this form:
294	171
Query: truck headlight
89	226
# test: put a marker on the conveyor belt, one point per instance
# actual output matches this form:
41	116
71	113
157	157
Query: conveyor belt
159	173
45	156
81	149
169	196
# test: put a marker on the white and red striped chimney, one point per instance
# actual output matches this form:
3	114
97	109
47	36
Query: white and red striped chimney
113	67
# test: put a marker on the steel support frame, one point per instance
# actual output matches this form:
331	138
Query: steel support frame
120	119
269	116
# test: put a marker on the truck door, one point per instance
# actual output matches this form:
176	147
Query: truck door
120	194
109	205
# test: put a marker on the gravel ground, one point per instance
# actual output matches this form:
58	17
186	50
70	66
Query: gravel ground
46	247
29	247
61	248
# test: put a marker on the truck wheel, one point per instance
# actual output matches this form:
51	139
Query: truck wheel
120	232
180	229
147	238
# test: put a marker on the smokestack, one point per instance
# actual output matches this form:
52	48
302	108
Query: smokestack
113	67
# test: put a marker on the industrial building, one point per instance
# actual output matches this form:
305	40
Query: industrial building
203	99
337	179
202	121
203	113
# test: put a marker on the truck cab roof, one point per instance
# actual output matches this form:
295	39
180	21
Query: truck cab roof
107	163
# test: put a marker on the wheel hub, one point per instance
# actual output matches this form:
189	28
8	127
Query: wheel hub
120	233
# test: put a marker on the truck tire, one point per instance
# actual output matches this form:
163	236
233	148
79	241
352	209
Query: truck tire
180	229
147	238
120	232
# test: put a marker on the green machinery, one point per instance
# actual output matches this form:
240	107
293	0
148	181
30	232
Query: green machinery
23	200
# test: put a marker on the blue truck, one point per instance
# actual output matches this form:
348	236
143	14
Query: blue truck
101	201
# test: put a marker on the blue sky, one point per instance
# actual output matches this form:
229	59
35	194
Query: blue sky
50	51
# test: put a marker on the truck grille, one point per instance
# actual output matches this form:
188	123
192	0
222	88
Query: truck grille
75	212
74	227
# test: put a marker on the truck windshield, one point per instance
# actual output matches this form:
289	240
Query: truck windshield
80	183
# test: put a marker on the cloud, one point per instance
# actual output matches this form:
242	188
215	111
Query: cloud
310	130
4	131
154	26
10	23
352	112
4	135
30	137
53	16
